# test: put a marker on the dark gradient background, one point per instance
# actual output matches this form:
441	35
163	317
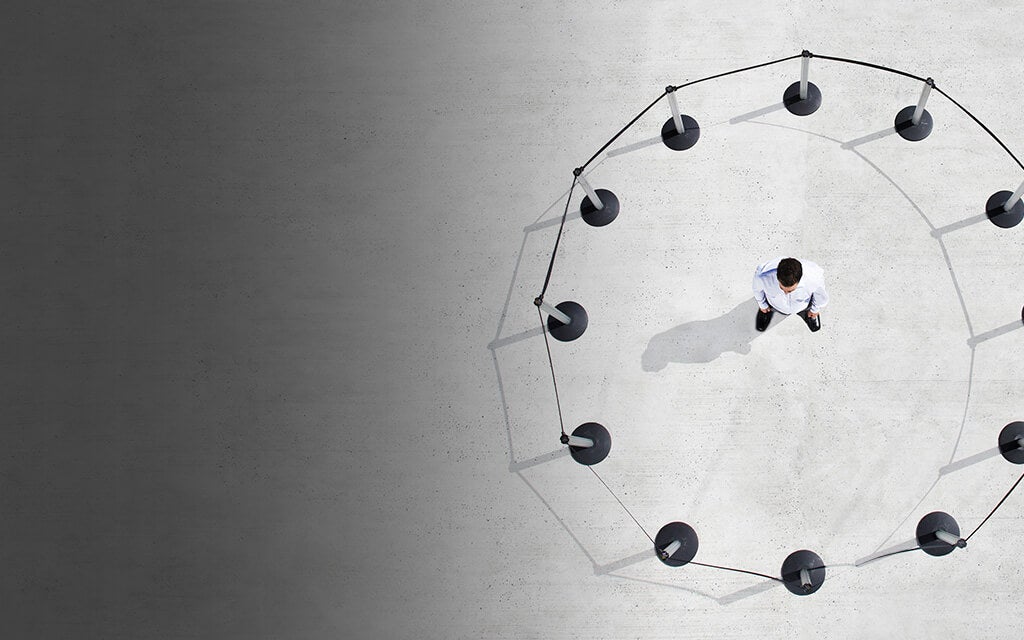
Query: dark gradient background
183	257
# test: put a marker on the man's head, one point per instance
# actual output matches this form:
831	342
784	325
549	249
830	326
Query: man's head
789	273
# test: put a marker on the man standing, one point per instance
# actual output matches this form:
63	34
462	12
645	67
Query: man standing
788	286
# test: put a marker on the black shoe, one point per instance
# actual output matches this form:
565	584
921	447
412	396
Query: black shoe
763	319
814	324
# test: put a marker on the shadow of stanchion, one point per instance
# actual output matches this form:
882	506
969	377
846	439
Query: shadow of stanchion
725	600
778	106
628	561
521	465
903	547
871	137
969	461
636	146
705	340
995	333
962	224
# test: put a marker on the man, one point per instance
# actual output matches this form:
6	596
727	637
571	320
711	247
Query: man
788	286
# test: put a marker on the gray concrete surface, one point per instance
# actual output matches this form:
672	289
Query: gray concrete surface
272	369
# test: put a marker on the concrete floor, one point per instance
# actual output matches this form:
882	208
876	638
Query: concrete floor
273	369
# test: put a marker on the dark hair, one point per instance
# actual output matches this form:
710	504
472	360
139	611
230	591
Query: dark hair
790	271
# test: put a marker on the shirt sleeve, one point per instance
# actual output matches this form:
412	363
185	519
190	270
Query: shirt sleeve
759	293
819	299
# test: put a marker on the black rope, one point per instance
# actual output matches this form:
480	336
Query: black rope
997	506
664	93
868	64
982	125
889	554
729	73
753	573
622	505
625	128
558	238
551	363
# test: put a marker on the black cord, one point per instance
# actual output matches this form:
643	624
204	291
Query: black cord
873	66
982	125
729	73
551	363
620	503
997	506
753	573
558	238
889	554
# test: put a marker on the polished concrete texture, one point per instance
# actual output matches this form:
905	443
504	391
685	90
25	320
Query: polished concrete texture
272	369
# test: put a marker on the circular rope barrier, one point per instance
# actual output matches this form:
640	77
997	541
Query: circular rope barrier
676	543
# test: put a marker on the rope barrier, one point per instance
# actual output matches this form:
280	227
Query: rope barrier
997	506
551	363
622	505
753	573
579	171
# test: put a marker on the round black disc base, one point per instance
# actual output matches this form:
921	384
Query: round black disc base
680	141
1000	218
676	531
798	560
598	218
573	330
805	107
1008	442
926	529
907	129
602	444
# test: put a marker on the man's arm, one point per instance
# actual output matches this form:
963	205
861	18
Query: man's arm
759	292
819	299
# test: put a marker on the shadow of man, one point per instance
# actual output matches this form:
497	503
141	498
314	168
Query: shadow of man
704	340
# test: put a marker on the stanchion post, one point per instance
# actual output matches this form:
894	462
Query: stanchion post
566	320
583	443
680	132
803	572
914	122
1014	198
950	539
802	98
600	206
594	198
553	312
589	443
939	534
919	110
676	544
805	66
677	119
1006	209
1011	442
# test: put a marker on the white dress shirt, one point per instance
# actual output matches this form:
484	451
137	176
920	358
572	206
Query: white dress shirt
810	289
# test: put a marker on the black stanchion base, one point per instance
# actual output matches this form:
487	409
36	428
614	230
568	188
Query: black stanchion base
599	217
905	126
676	531
805	107
1008	442
680	141
926	529
602	444
568	332
999	217
798	560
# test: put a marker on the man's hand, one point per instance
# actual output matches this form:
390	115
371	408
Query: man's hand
765	310
811	314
